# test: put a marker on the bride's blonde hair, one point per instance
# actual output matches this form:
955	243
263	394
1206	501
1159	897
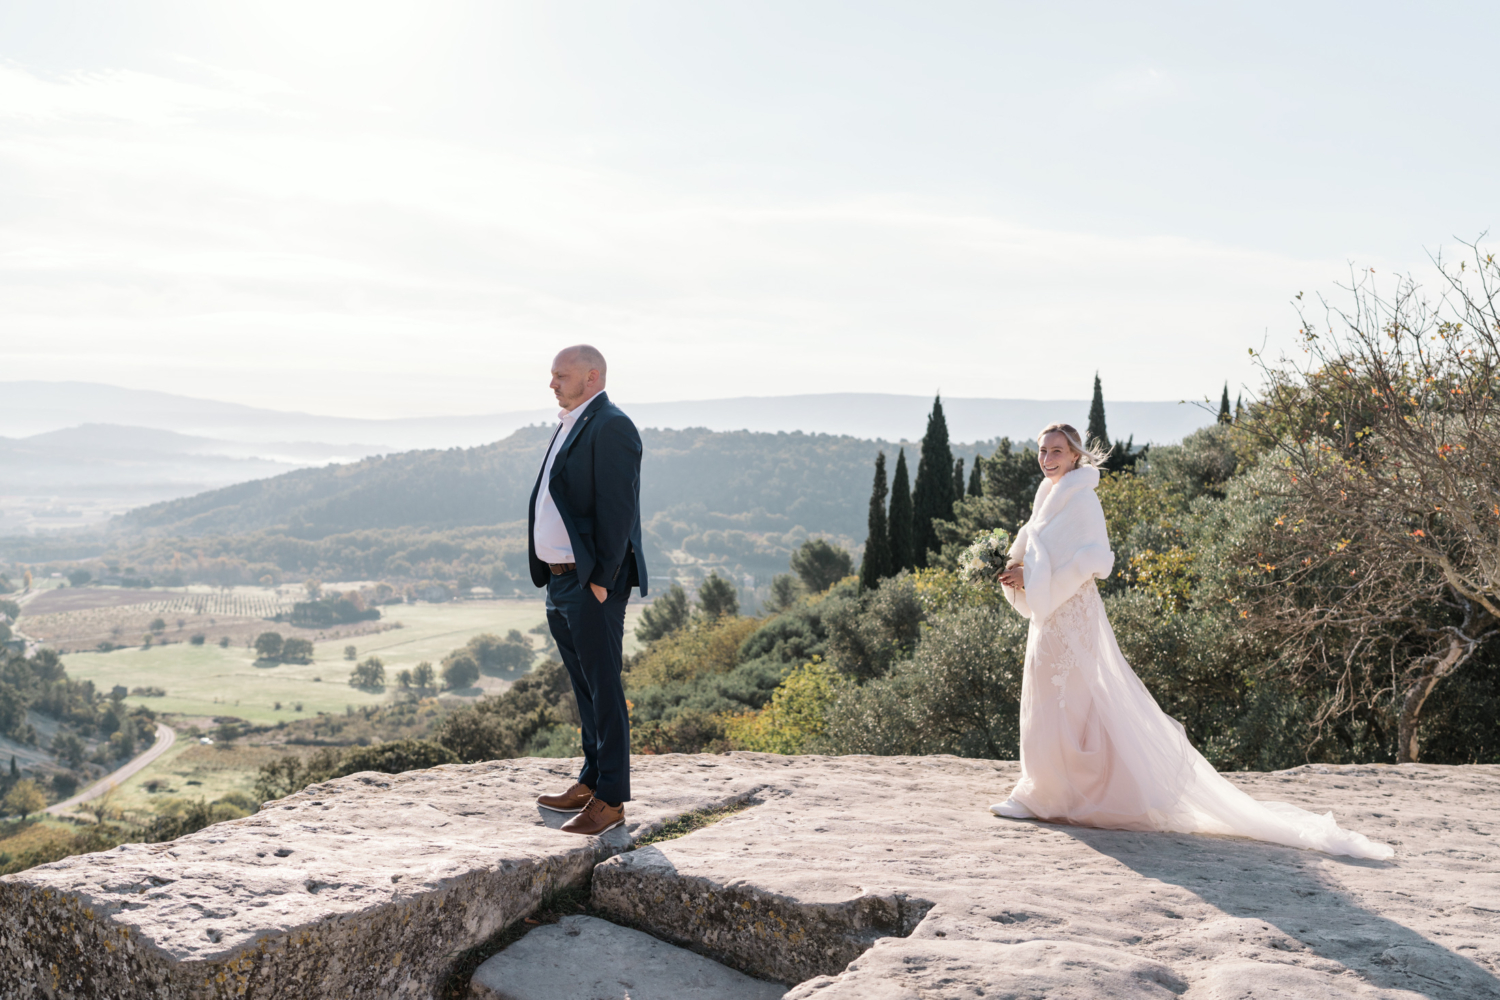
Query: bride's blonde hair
1094	454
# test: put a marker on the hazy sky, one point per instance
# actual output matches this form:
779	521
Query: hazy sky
376	209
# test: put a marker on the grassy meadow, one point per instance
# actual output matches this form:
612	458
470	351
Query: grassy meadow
191	770
209	680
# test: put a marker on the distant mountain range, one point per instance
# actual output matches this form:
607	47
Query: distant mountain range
29	408
75	454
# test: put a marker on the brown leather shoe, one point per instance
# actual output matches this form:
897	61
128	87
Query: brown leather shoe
596	818
570	801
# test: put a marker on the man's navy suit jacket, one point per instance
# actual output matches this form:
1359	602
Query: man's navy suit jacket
596	484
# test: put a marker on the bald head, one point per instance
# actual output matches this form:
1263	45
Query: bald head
586	355
577	374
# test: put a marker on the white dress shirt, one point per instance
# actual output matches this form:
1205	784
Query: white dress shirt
550	536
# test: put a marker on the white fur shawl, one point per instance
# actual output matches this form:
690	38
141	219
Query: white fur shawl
1062	546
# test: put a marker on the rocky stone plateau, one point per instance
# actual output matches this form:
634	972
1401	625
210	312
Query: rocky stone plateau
874	878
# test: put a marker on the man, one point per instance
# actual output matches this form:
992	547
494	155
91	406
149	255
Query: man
584	529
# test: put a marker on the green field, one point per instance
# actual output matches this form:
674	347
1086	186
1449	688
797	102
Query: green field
208	680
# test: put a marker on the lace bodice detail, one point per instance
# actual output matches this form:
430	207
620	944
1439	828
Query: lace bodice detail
1070	631
1076	614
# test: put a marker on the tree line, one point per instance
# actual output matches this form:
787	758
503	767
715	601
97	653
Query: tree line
926	525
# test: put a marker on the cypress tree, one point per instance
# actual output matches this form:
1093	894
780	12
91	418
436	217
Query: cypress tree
1097	431
900	517
932	496
976	478
1225	417
877	561
1239	407
958	481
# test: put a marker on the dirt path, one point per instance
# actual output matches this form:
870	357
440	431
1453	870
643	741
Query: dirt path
165	737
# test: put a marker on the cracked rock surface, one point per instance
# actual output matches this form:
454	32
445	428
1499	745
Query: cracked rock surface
851	877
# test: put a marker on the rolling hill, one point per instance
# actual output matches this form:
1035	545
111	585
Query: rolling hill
733	479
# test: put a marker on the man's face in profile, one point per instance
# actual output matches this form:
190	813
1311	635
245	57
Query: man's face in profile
572	381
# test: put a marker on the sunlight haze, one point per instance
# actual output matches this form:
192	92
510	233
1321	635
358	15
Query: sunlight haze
390	210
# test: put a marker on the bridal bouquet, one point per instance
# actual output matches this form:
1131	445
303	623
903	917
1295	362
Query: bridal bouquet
985	557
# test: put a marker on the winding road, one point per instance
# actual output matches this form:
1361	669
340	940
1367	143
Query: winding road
165	737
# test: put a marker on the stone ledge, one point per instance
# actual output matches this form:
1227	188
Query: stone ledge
368	886
388	879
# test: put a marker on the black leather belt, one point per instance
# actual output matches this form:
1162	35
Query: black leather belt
558	569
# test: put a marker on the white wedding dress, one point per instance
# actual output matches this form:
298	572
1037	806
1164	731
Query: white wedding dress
1096	749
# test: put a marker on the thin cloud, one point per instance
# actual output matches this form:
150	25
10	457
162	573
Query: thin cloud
114	95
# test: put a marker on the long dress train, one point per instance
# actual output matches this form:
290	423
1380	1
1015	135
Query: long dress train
1097	750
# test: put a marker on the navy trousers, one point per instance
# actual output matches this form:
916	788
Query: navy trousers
590	635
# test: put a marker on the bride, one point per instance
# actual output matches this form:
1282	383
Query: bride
1095	748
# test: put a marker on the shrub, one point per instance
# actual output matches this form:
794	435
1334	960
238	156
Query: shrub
1201	465
291	774
795	636
867	637
64	785
99	837
121	744
748	687
158	625
178	819
197	639
690	731
500	727
959	693
394	757
224	642
796	716
708	646
559	741
350	653
460	671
